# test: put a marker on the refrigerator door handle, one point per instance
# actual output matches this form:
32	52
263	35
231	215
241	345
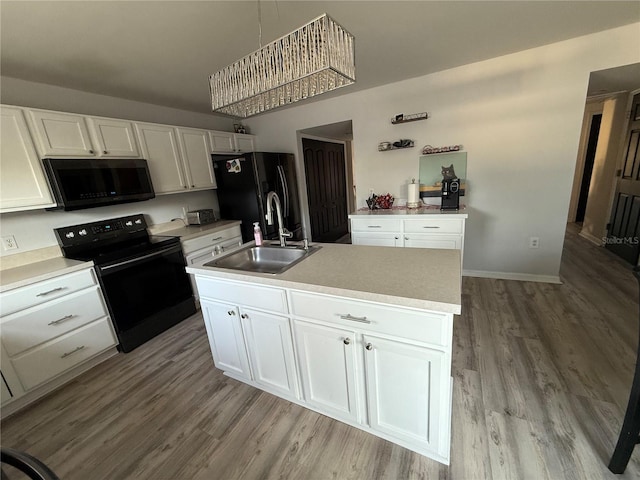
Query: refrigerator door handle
285	190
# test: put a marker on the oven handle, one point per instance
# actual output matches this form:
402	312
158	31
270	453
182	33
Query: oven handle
164	251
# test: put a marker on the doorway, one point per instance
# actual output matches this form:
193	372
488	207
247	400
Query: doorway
592	144
325	172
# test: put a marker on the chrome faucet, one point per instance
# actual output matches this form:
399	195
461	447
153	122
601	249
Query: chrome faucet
283	233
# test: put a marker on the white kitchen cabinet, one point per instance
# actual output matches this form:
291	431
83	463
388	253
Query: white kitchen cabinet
403	388
23	185
61	134
270	349
226	339
113	138
196	155
327	359
228	142
51	331
159	145
410	230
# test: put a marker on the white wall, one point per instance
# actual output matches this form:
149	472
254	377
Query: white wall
518	117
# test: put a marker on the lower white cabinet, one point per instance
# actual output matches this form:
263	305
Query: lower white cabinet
377	239
327	359
270	348
382	368
222	322
51	331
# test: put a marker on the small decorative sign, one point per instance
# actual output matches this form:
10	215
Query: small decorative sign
428	149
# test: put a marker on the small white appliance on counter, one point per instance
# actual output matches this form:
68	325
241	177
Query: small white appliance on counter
201	217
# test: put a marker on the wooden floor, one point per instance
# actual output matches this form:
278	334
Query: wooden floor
541	379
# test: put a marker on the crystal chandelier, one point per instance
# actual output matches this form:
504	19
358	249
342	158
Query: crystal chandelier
316	58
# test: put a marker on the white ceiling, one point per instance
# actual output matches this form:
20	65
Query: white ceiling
162	52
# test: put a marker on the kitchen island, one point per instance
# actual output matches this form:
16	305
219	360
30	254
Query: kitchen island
362	334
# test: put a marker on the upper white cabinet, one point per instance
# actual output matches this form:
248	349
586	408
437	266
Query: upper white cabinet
61	134
196	156
113	138
69	135
23	185
227	142
159	145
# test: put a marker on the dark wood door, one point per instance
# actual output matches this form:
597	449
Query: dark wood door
623	227
326	189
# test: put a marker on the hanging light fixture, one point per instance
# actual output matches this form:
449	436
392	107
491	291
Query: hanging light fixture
316	58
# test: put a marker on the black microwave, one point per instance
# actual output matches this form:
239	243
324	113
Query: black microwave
95	182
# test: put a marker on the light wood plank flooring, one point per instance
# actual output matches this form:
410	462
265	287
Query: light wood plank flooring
541	380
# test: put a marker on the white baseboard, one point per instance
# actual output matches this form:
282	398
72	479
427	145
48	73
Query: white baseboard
523	277
593	239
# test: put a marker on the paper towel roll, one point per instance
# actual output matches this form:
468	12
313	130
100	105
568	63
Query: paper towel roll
413	193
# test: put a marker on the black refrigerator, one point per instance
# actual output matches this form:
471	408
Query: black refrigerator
244	180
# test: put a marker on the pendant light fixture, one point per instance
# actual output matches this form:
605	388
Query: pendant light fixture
314	59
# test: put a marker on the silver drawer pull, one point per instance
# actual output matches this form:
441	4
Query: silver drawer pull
49	292
348	316
60	320
374	226
431	226
216	239
77	349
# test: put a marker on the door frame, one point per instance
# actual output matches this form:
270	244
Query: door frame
302	177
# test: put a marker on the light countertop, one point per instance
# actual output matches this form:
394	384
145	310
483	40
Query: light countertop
194	231
410	277
409	213
38	271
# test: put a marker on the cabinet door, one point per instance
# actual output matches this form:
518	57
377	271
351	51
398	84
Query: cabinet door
160	147
244	143
222	142
406	388
377	239
414	240
327	358
222	322
270	350
62	134
196	154
114	138
22	182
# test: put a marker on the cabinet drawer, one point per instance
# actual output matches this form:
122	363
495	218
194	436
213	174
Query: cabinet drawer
25	297
435	225
421	326
53	358
416	240
375	225
39	324
204	241
249	295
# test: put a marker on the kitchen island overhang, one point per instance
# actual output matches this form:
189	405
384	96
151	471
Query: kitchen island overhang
360	334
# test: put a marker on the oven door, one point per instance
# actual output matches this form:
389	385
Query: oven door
147	294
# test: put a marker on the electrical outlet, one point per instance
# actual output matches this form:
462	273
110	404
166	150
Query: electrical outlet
534	242
9	243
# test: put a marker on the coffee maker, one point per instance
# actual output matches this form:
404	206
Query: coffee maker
450	194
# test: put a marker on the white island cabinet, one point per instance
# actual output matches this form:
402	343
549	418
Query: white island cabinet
344	334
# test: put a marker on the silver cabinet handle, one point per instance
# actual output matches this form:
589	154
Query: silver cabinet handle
346	341
406	238
397	238
431	226
104	152
60	320
231	312
244	315
49	292
216	239
348	316
368	346
374	226
77	349
91	152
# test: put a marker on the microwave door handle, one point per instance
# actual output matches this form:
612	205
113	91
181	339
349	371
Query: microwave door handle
285	190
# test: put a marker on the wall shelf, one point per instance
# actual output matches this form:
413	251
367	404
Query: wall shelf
414	117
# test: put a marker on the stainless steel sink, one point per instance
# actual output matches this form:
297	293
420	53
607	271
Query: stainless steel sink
263	259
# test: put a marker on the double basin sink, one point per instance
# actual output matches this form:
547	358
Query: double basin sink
264	259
